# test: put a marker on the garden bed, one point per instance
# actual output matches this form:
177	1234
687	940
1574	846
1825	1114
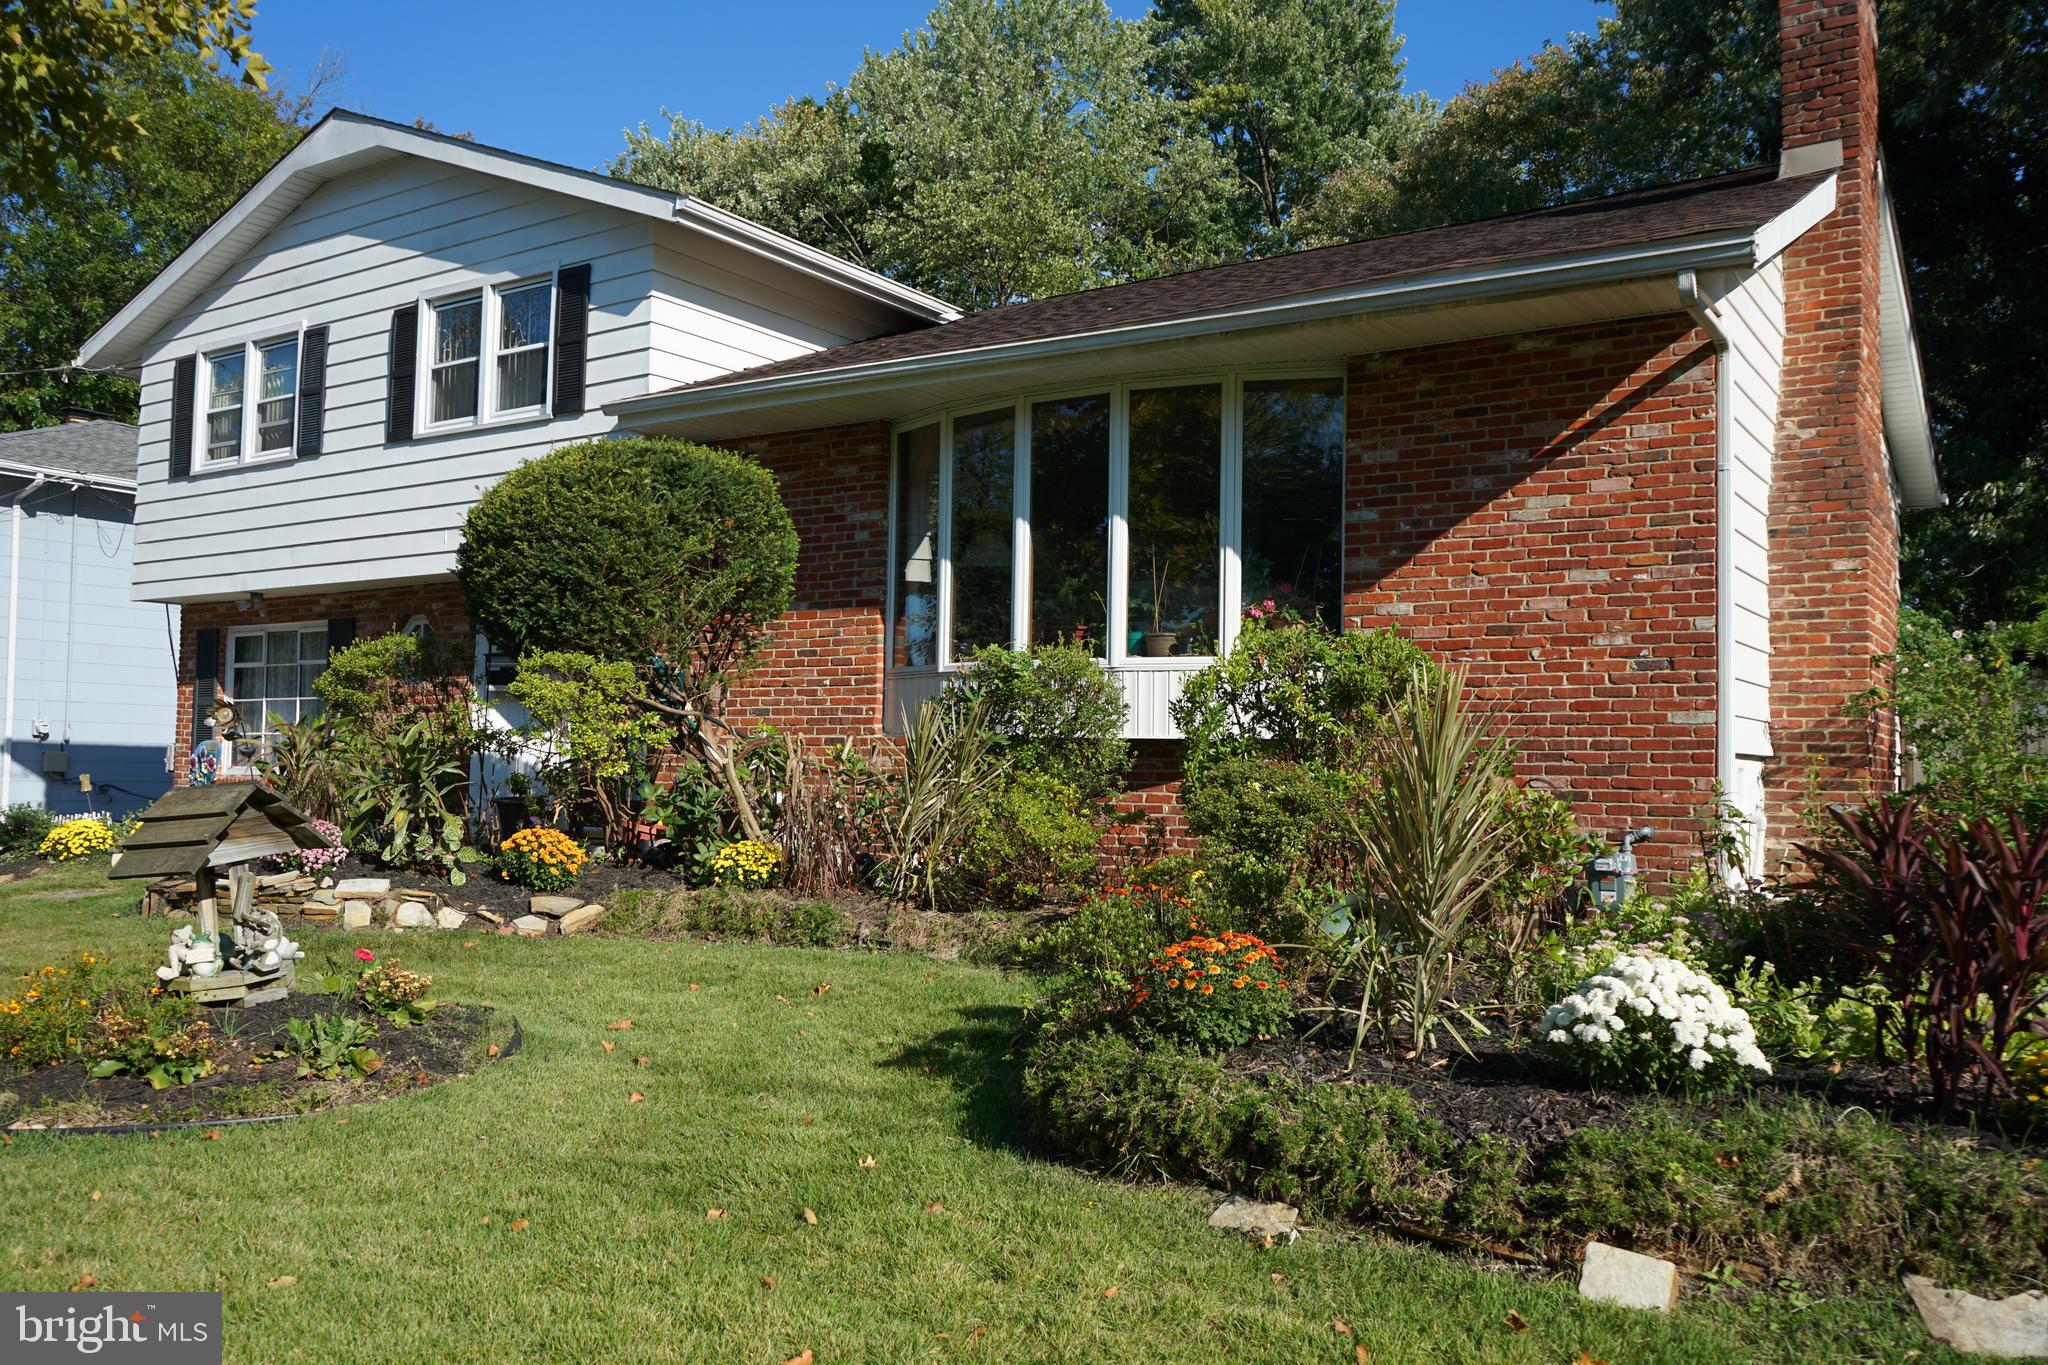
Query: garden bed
247	1082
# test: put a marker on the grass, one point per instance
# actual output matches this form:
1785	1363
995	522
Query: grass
762	1098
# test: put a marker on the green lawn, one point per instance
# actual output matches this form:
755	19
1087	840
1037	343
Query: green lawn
762	1099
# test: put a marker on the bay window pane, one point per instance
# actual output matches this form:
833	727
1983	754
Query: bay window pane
1070	522
984	505
914	634
1294	498
1171	584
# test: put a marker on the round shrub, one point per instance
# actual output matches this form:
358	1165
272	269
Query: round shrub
540	858
746	862
635	549
80	838
1054	711
1034	843
1216	991
1652	1023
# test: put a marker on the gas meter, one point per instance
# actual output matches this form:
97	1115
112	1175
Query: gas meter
1609	875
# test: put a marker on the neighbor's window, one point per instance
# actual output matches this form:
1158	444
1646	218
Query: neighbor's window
1070	522
271	672
1171	579
1293	536
522	375
914	635
984	496
226	376
458	337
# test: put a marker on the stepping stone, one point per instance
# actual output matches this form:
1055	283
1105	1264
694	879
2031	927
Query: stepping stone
529	926
581	918
2014	1328
1260	1222
1611	1275
554	907
363	886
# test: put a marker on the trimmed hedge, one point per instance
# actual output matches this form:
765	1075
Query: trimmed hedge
1790	1185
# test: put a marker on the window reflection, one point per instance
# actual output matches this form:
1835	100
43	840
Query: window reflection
1070	522
1170	577
1293	539
914	634
984	505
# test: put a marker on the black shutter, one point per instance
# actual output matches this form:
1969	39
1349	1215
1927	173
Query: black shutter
184	386
405	343
205	682
312	390
341	632
572	331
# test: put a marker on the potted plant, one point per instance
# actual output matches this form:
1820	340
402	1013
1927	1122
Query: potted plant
1157	643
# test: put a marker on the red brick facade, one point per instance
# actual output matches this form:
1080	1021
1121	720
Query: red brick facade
1540	508
1834	530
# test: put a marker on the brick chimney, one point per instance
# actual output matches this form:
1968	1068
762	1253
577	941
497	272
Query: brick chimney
1834	526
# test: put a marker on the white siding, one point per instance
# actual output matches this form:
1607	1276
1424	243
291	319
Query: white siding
1149	694
1752	314
666	305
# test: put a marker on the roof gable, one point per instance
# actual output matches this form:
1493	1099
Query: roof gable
344	142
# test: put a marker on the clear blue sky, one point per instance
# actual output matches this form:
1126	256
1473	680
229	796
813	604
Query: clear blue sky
561	80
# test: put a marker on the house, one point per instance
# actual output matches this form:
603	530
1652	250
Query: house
89	673
1639	461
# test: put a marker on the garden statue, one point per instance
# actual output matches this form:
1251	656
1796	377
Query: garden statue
259	942
188	956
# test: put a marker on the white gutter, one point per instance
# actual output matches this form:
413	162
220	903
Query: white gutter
1735	250
105	483
13	632
1707	316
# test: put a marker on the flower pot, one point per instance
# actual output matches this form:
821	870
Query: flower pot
1158	644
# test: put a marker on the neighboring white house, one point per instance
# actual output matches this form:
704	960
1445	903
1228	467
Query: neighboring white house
90	673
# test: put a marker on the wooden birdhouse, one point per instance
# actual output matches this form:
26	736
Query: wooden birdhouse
210	833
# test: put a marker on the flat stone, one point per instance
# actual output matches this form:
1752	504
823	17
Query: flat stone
412	915
581	918
363	886
490	917
450	919
324	897
1260	1222
276	879
1611	1275
357	914
554	907
529	926
2014	1328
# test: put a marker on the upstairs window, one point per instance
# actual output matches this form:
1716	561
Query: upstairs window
458	340
487	353
245	420
523	313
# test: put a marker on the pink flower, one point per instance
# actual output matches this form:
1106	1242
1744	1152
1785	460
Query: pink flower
365	955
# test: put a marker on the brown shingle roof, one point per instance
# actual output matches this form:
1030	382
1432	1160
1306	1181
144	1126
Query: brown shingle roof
1744	200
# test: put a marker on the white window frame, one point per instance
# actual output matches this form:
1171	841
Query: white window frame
254	724
251	350
490	294
1230	492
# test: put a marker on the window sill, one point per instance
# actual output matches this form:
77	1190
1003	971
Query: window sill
504	419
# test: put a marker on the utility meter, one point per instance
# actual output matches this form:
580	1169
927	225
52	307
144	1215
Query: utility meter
1609	875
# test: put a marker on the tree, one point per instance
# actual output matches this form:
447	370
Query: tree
102	230
1290	91
805	168
1030	155
672	557
592	724
56	56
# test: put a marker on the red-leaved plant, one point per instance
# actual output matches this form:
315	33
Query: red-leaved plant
1956	928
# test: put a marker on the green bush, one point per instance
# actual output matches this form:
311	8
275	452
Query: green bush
732	913
22	827
1792	1185
1054	711
810	924
589	723
1034	843
1212	990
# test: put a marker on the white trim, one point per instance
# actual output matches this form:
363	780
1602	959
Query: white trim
739	394
1908	428
1788	227
247	453
224	682
104	483
345	141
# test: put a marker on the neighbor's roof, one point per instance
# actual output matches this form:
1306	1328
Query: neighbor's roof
99	453
345	141
1735	206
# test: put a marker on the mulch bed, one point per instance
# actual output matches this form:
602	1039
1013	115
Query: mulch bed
453	1041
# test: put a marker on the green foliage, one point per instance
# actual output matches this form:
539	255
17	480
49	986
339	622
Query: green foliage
689	807
395	992
1098	950
1975	718
326	1043
74	253
1034	842
23	826
811	924
1053	711
50	1012
949	770
160	1039
589	721
56	60
1792	1184
1267	826
735	913
1213	991
403	799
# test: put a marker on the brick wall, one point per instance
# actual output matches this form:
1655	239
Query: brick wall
376	611
1540	508
1834	536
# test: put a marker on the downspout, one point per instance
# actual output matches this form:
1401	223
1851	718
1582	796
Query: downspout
13	631
1708	318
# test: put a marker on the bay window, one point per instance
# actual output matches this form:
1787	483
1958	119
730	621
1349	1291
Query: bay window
1139	522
